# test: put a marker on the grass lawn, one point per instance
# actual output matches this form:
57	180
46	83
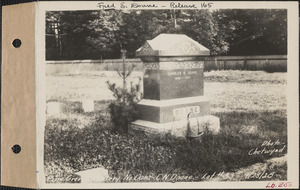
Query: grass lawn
244	100
227	90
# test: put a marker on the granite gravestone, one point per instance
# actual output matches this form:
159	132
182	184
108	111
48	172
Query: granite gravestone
173	86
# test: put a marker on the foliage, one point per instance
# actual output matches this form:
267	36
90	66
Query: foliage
201	26
142	25
122	114
104	33
124	109
254	31
80	34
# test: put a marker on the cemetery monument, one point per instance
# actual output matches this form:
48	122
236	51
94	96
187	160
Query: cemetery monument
174	87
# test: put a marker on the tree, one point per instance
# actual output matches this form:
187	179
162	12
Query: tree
84	34
202	27
124	109
139	26
53	35
104	33
253	32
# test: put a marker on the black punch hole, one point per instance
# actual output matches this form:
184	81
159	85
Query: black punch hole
16	149
17	43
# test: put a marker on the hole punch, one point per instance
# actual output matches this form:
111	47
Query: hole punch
16	149
17	43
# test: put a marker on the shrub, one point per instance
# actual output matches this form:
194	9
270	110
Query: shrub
123	110
122	114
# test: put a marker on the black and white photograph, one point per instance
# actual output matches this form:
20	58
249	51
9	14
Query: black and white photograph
139	93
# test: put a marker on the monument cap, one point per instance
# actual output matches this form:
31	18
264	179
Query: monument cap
172	45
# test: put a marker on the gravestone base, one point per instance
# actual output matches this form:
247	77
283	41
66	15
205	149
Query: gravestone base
177	128
164	111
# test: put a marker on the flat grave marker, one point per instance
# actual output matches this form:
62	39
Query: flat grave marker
53	108
88	105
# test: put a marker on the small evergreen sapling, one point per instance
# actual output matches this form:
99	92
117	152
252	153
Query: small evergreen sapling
124	109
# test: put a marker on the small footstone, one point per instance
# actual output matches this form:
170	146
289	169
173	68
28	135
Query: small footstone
88	105
53	108
96	175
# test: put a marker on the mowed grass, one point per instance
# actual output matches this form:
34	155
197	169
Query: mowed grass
227	90
76	141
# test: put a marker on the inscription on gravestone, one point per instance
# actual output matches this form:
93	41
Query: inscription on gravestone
183	112
173	83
